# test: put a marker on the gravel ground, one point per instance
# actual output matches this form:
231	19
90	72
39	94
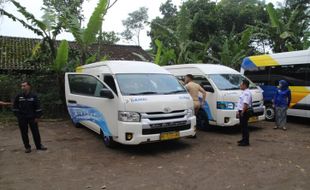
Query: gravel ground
77	159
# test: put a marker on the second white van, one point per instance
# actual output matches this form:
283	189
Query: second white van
223	91
129	102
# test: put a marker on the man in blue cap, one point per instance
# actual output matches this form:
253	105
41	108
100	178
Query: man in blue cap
282	102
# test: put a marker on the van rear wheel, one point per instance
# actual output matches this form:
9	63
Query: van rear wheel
108	140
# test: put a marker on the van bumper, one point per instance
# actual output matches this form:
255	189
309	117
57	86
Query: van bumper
138	138
229	118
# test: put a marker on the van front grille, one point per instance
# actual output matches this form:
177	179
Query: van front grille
164	118
156	113
156	116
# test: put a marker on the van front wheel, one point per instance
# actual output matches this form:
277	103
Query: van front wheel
270	113
108	140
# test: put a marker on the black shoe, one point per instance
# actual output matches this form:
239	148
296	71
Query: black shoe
28	150
42	148
239	141
244	144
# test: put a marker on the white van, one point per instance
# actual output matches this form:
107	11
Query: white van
129	102
223	91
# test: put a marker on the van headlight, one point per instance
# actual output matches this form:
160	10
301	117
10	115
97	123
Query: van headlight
190	112
225	105
128	116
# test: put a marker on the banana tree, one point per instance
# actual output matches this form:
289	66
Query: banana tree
164	56
48	28
287	32
234	48
86	36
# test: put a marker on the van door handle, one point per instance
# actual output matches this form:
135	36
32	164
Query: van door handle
72	102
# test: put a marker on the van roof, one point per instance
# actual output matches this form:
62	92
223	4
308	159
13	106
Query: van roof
205	68
127	67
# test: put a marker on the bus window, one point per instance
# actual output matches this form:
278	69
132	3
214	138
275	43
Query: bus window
295	75
260	77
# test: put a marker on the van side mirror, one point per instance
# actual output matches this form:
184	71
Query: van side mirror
208	88
106	93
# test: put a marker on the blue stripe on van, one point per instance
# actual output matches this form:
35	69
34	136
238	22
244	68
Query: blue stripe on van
81	113
207	109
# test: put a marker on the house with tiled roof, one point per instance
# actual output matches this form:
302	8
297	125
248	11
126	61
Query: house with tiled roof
16	51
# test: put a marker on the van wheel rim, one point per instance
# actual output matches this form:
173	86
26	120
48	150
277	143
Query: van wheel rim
269	113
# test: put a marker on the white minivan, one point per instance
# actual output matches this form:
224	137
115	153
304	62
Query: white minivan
223	91
129	102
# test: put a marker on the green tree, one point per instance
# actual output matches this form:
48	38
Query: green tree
203	30
84	37
163	55
288	30
168	9
108	37
134	24
48	28
235	47
169	12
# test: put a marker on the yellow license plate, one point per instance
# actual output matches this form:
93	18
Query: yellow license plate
253	119
169	136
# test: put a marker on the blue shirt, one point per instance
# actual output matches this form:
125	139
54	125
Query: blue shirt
282	98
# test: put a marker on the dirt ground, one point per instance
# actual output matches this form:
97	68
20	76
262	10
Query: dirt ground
77	159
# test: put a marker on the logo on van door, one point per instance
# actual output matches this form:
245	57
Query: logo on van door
184	97
138	99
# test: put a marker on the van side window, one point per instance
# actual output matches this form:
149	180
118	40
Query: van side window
201	80
109	80
181	79
85	85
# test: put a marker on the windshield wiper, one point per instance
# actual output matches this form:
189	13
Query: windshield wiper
143	93
175	92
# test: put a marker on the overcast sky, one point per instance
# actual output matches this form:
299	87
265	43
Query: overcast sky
113	20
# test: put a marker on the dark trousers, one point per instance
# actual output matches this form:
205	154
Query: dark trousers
23	126
244	119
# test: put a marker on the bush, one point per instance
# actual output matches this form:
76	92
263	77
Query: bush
46	87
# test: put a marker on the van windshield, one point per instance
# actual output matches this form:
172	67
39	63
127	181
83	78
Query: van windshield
229	81
144	84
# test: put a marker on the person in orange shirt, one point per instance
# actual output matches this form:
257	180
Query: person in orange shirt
194	89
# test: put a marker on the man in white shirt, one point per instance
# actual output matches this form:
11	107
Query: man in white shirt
245	102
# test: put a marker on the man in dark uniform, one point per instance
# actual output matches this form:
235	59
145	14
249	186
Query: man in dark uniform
27	109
